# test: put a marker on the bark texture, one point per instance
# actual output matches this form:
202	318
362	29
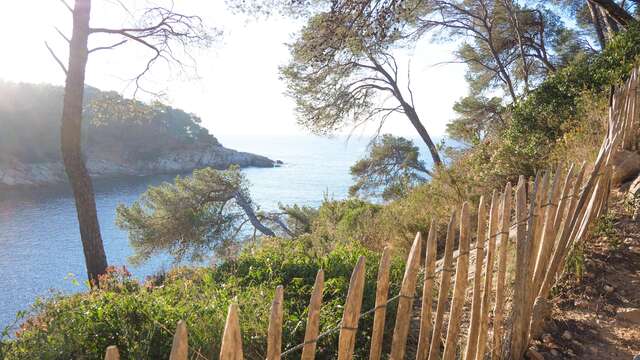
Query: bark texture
71	135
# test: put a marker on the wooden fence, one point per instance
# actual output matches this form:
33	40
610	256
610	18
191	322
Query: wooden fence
545	216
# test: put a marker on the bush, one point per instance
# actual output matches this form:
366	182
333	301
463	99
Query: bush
139	318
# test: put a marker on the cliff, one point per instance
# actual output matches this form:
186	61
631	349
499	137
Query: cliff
121	137
14	172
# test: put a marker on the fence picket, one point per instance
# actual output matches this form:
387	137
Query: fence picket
541	258
180	346
112	353
443	292
405	303
488	279
524	238
460	289
313	319
351	315
474	325
498	312
274	334
382	294
231	347
427	294
563	237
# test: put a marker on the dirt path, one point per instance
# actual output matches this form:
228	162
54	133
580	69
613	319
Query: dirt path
598	316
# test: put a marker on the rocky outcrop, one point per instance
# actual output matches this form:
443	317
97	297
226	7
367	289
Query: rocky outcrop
626	166
16	173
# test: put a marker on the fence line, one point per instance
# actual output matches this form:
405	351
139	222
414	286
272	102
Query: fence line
551	215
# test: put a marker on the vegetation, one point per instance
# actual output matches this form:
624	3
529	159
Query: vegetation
555	91
113	127
139	318
391	169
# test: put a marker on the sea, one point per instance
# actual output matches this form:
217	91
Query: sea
40	248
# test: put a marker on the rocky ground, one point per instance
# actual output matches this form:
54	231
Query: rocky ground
597	314
14	173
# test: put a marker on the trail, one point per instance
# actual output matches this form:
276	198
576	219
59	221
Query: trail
598	316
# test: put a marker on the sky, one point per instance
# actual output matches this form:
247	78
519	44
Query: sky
235	86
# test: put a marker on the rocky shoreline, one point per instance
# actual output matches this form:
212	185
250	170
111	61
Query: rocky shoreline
14	173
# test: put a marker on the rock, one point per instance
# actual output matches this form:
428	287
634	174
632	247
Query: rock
631	315
634	188
626	165
637	357
567	335
532	354
547	338
16	173
582	303
555	352
608	288
541	315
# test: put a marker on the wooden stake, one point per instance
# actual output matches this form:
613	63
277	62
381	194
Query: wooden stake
313	319
112	353
505	221
274	335
427	294
405	303
488	278
382	293
351	314
459	292
231	347
180	347
443	292
548	236
563	238
520	319
474	325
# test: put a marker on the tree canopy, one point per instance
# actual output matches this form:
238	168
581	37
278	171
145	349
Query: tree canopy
114	126
391	168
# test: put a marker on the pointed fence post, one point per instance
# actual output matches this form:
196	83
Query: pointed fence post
488	278
313	319
112	353
382	294
405	303
498	312
563	237
427	294
525	233
351	315
274	335
443	292
180	347
231	347
459	292
474	325
548	238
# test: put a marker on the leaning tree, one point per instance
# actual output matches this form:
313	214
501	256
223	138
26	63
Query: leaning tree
343	73
160	30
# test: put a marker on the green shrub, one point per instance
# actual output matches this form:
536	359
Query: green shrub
138	318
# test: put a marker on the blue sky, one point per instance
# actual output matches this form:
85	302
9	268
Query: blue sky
235	87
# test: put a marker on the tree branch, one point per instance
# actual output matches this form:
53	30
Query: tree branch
55	57
108	47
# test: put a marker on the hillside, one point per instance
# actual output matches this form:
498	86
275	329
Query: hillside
121	137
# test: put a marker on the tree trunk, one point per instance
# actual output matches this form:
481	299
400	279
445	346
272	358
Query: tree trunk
71	130
597	25
248	210
615	11
422	131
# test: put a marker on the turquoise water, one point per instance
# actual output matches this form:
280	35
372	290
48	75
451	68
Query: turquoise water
40	246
